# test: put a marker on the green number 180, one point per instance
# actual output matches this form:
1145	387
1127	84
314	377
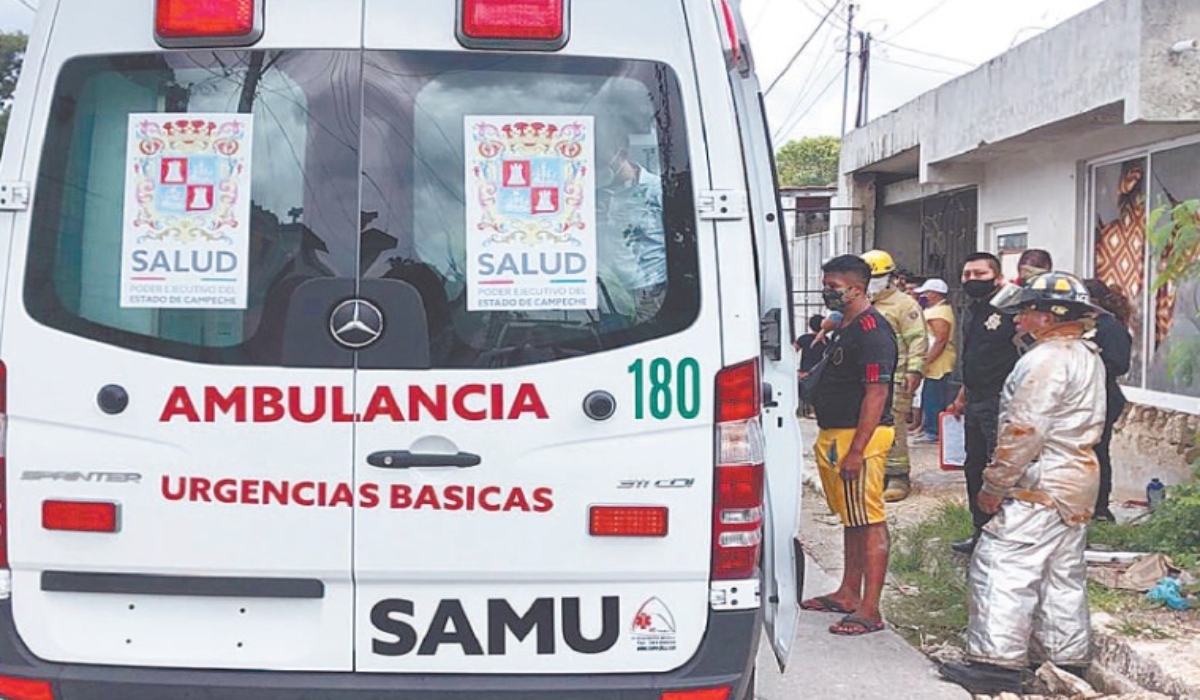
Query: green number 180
665	388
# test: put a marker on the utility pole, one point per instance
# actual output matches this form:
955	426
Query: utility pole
846	71
864	77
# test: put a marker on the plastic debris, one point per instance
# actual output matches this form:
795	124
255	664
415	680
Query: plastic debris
1169	591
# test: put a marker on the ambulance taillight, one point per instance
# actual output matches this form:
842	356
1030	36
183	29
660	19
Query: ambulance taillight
738	498
16	688
718	693
514	24
81	516
627	521
200	23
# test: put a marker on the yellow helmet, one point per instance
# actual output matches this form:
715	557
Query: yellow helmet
881	262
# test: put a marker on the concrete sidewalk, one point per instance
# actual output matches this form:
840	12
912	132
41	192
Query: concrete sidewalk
824	666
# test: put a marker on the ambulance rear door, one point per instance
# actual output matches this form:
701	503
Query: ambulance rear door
739	148
179	433
546	473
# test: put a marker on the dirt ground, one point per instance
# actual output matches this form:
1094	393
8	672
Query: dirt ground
821	531
1156	646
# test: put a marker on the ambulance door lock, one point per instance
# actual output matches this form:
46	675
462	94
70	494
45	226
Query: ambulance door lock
112	399
599	405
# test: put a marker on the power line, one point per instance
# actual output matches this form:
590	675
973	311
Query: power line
800	50
811	81
841	23
793	111
929	54
815	102
31	8
913	65
762	12
918	20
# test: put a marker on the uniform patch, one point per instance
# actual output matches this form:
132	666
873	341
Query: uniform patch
873	373
837	357
992	323
868	323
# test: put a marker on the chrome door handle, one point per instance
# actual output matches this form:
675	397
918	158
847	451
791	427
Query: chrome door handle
403	459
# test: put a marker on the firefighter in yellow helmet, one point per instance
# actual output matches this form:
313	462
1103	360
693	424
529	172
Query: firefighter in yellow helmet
904	314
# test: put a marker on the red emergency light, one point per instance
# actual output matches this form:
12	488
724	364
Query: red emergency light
193	23
718	693
627	521
80	516
14	688
519	24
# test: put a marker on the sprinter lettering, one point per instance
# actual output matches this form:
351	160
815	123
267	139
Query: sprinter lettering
450	625
268	404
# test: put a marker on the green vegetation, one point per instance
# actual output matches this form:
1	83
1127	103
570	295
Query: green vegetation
812	160
12	51
1173	529
1174	237
927	601
928	605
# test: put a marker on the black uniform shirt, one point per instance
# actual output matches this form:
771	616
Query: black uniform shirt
1116	349
861	353
988	352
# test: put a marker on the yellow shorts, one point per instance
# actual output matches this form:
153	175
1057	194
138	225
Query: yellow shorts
859	502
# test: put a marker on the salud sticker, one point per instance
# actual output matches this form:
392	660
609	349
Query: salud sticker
186	237
531	213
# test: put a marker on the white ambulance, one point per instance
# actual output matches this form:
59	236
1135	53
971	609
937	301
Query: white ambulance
393	348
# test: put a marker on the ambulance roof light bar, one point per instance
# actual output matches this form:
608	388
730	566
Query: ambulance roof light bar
528	25
207	23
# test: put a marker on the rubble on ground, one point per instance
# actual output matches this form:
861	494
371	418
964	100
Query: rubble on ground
1128	696
1053	683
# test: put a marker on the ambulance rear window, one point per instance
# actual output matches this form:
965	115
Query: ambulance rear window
541	207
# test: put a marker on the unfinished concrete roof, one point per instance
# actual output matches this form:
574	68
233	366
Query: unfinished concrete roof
1109	65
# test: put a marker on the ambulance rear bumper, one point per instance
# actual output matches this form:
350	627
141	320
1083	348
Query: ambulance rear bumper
725	658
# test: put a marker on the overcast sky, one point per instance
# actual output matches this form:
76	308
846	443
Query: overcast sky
14	15
919	45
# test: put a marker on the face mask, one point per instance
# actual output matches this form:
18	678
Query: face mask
876	286
979	289
835	299
924	302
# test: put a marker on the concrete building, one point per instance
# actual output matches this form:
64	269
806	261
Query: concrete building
1078	141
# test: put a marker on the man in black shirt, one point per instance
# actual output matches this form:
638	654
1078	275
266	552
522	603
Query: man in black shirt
811	351
853	399
988	357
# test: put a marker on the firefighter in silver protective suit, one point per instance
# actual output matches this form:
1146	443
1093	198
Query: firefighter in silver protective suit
1028	581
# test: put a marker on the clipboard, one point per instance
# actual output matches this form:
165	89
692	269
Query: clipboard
952	443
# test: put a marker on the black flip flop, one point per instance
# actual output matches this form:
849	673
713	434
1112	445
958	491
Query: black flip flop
824	603
854	626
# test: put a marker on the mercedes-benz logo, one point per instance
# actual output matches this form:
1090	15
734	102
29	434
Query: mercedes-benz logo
356	323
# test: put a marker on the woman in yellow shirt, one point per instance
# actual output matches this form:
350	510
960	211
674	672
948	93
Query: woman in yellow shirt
939	362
